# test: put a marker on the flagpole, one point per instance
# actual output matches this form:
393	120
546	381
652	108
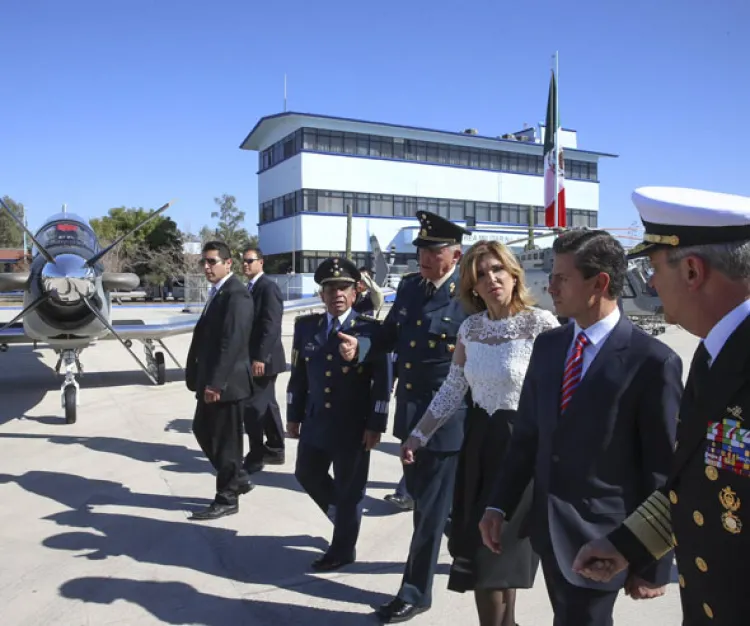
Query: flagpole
556	139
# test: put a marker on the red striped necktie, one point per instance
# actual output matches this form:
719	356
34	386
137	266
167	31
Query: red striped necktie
573	369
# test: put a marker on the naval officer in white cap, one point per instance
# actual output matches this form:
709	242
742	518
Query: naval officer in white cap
699	246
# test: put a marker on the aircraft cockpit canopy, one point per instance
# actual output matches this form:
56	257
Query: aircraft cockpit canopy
68	233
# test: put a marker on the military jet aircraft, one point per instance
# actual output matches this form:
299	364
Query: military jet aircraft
67	303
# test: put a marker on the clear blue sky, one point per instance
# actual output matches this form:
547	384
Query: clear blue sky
136	102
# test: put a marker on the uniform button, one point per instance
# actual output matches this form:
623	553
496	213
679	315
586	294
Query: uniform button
328	405
407	366
442	336
329	357
698	518
413	344
707	610
328	373
328	390
701	564
681	580
408	385
673	497
433	344
419	322
711	472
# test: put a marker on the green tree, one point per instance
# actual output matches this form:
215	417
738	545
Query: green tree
11	236
229	229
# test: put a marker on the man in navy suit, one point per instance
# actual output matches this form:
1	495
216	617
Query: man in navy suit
338	410
261	413
595	430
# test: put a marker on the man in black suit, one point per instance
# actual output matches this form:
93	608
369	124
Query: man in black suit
218	371
698	244
261	413
595	430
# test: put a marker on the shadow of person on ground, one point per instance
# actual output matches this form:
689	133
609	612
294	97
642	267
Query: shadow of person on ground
23	371
180	459
181	604
81	493
277	561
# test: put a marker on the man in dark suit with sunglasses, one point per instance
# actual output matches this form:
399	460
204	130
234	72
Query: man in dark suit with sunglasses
218	371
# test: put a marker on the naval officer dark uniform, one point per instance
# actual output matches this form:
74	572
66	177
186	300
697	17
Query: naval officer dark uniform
701	511
422	327
336	402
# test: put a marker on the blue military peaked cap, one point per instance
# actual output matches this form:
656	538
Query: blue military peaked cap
436	231
676	217
337	270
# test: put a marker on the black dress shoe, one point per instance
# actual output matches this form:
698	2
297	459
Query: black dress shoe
328	564
245	488
215	511
274	459
402	502
399	611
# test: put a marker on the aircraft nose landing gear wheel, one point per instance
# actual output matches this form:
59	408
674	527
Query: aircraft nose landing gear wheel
70	401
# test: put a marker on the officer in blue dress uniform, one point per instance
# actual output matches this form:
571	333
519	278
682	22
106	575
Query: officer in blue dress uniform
422	327
337	409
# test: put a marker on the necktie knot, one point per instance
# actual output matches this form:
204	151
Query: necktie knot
573	370
334	327
581	341
429	288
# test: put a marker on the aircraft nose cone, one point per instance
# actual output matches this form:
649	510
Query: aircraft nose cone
68	279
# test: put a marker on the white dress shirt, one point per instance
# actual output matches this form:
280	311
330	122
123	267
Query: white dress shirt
341	318
719	334
215	289
597	334
255	279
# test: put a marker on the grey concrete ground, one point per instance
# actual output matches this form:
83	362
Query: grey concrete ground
94	528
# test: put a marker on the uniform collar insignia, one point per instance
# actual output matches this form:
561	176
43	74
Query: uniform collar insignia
735	412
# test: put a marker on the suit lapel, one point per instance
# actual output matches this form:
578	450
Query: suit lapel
725	377
321	335
611	356
556	371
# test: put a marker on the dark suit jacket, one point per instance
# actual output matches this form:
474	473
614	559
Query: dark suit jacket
218	355
333	399
594	465
265	338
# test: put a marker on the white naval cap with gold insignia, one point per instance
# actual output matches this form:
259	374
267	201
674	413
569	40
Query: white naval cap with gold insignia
678	217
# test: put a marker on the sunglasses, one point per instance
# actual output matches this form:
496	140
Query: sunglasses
249	261
211	261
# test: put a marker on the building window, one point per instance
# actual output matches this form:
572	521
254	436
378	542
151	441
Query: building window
383	205
382	147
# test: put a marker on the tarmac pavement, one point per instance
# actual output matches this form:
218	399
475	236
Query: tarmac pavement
94	525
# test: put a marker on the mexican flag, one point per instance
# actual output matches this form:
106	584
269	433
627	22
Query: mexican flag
554	179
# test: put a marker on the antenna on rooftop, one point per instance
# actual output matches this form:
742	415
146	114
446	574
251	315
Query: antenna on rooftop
284	92
65	207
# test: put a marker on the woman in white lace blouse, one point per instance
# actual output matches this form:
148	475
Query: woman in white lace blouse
489	363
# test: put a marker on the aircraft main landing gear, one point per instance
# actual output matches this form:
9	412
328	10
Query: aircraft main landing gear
69	388
155	362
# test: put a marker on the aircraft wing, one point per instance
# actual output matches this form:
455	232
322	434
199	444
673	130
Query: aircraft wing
138	329
14	334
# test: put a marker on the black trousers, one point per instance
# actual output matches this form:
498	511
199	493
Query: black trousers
430	481
218	429
576	606
261	416
344	491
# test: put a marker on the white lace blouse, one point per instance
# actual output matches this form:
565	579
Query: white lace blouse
491	359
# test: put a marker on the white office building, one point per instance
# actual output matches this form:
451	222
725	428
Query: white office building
312	167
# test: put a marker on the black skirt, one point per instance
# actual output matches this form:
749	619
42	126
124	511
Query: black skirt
474	565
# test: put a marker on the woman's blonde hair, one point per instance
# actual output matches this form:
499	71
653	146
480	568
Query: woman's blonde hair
521	298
